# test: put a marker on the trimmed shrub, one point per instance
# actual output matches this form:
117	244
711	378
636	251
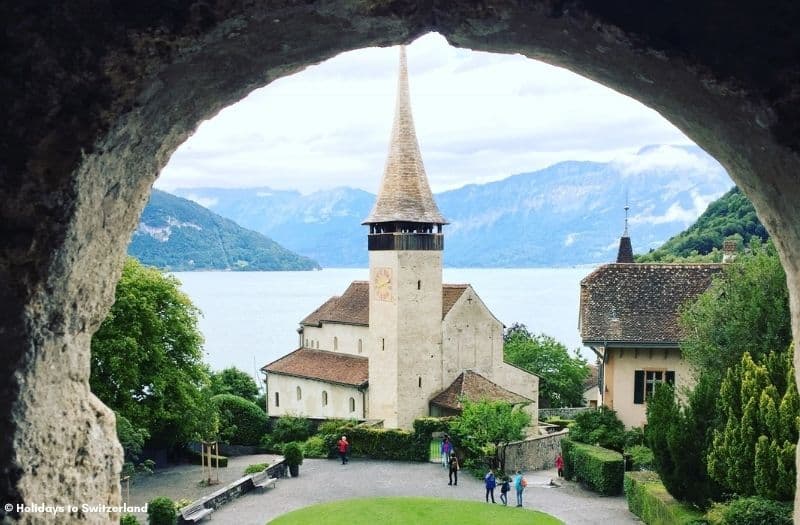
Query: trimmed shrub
641	457
291	428
559	422
128	519
293	453
255	468
600	468
751	511
314	447
241	421
599	427
161	511
648	498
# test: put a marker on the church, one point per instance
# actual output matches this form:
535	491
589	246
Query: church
401	345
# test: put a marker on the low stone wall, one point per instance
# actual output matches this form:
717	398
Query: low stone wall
565	413
236	488
534	453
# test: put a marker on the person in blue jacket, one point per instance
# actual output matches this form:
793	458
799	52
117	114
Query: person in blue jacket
491	483
519	486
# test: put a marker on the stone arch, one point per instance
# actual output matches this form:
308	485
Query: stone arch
98	98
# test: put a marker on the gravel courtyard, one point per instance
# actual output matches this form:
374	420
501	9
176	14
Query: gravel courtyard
327	480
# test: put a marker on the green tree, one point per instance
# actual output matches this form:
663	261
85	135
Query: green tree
561	376
731	216
490	422
599	427
753	453
146	357
747	308
679	439
241	422
234	381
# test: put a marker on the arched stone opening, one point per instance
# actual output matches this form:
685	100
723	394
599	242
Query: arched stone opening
98	97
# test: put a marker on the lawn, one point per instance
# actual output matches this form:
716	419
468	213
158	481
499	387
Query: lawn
401	511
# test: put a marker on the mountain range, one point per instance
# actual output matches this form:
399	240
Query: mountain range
178	235
567	214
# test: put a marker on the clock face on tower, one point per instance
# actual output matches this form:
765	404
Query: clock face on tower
383	284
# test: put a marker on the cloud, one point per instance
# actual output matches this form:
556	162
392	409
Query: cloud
677	212
570	239
665	157
479	117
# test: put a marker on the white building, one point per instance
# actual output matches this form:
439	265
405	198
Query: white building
402	345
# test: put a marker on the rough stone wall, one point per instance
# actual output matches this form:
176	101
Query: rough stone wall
98	95
535	453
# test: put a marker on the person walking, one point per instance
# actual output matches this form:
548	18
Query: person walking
343	447
560	465
491	483
504	488
519	485
444	449
453	463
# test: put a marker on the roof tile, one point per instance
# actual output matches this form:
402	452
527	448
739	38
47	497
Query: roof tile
322	365
640	303
474	387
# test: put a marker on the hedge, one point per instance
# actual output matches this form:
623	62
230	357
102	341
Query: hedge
649	500
394	444
601	469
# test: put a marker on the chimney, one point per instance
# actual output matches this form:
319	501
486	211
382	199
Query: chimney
728	250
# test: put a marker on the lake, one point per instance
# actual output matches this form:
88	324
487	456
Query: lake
250	318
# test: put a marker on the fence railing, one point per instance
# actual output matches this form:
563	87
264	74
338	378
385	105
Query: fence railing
564	413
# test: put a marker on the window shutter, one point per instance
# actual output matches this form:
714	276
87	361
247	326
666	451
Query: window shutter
671	377
638	387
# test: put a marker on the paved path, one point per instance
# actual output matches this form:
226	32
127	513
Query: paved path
326	480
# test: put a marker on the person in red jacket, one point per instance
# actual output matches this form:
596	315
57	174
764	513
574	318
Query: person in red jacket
343	446
560	465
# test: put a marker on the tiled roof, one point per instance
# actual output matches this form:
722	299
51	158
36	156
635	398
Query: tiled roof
450	294
474	387
352	307
332	367
639	303
404	194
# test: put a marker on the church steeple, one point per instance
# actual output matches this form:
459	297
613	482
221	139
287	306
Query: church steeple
404	197
625	253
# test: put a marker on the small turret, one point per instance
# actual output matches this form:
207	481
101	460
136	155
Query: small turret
625	253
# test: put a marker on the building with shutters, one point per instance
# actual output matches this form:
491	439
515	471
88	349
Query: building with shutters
628	315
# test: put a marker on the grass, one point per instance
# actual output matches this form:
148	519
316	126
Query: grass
402	511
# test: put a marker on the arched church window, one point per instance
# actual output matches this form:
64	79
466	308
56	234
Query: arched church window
360	346
277	399
335	343
352	404
299	394
324	398
419	381
383	343
317	345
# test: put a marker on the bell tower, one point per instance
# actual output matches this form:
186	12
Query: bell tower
405	244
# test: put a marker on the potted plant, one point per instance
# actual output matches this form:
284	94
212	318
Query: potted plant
293	455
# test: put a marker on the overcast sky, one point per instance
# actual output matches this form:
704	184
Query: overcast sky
479	117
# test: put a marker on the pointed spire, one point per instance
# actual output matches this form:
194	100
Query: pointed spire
625	252
404	195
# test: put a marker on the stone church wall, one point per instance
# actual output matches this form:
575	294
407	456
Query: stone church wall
336	337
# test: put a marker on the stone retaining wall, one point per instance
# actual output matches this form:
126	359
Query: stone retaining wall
535	453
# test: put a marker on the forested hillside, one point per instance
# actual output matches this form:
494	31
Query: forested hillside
179	235
730	216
